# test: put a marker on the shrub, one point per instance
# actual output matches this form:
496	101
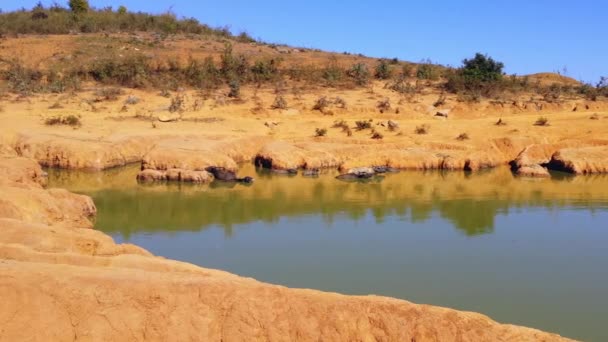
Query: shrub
359	73
108	94
541	121
361	125
384	105
427	71
332	72
440	101
402	87
482	68
79	6
594	116
279	103
321	104
478	76
69	120
178	104
320	132
462	137
131	71
377	135
132	100
122	9
500	122
339	102
340	124
383	70
235	89
265	70
203	75
422	129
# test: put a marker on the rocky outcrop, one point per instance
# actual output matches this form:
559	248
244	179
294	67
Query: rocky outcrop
76	152
283	155
358	173
528	164
585	160
175	175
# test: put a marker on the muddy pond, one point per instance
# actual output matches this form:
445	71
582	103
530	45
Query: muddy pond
527	252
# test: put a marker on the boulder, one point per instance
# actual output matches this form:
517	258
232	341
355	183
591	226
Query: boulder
358	173
533	170
151	176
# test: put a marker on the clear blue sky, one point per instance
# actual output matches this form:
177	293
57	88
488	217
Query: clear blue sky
527	35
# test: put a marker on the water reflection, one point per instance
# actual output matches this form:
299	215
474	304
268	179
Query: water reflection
469	201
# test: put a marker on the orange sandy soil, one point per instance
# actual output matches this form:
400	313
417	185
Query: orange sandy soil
61	280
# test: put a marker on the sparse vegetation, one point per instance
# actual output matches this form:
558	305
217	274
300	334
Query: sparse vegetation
500	122
340	124
178	104
384	105
383	70
359	73
320	132
235	89
279	103
541	121
462	137
440	101
68	120
422	129
377	135
321	104
363	124
594	116
108	94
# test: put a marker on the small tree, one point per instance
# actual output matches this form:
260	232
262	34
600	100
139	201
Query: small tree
482	68
79	6
122	10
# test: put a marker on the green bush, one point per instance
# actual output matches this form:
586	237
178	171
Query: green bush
332	72
478	76
383	70
359	73
427	70
79	6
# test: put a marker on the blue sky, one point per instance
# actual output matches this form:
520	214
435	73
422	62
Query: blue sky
527	36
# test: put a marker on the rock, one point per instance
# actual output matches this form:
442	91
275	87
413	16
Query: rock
151	176
584	160
189	176
384	169
311	173
246	180
533	170
168	117
175	175
358	173
222	174
393	125
443	113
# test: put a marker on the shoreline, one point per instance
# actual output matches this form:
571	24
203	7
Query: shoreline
40	258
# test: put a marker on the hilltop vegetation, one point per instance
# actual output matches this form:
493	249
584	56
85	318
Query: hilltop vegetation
123	48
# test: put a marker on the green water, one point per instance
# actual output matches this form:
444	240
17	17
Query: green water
528	252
